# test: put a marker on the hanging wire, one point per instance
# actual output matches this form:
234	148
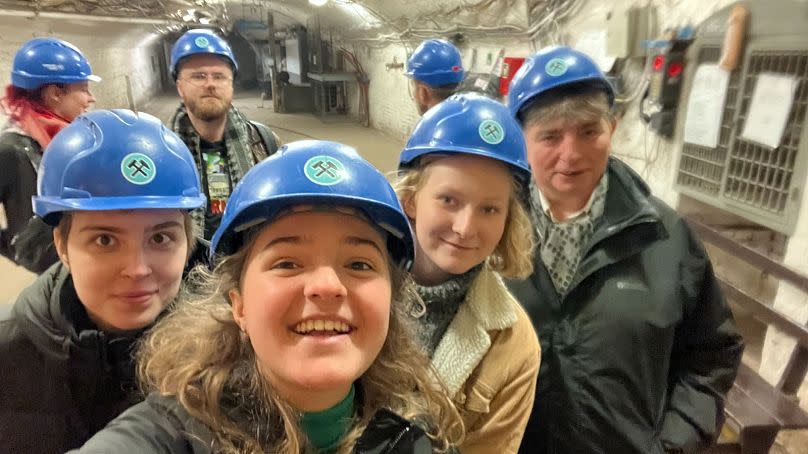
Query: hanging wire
363	81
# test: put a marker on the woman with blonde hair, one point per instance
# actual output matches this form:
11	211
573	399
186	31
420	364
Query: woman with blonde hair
461	181
301	343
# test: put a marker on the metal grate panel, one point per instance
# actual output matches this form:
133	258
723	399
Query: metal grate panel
757	176
702	168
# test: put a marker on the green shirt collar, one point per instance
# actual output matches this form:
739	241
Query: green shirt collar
326	428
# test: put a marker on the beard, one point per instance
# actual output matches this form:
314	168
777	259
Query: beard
207	108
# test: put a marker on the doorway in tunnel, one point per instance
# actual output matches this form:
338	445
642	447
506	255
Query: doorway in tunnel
247	77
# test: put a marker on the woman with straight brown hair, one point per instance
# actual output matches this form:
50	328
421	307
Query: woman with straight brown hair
118	188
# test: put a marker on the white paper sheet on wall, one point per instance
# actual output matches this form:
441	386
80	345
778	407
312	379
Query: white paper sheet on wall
593	43
705	106
768	112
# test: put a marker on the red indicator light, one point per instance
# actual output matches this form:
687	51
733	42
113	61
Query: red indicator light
659	62
674	69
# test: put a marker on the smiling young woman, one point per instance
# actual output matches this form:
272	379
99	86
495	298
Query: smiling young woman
461	182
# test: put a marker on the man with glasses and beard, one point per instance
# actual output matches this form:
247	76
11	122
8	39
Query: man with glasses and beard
225	144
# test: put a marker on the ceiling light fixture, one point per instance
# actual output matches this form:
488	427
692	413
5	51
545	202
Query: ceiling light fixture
189	15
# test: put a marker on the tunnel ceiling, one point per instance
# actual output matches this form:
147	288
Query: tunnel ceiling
367	19
408	19
146	9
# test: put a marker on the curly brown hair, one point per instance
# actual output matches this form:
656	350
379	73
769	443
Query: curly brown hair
199	355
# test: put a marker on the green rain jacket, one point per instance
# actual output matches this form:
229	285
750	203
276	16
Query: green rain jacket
638	355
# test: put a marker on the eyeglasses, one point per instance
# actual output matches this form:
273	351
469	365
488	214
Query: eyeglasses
201	79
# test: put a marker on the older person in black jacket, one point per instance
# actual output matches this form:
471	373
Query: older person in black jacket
639	347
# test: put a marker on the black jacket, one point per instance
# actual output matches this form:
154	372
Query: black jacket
160	425
17	185
61	379
641	351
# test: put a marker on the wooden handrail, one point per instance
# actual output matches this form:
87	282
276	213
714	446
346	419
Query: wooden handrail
764	312
753	257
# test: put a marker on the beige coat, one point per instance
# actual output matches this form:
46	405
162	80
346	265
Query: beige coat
489	361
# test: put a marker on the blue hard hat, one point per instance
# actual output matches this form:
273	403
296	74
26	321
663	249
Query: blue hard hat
469	123
115	160
43	61
551	68
314	172
435	62
201	41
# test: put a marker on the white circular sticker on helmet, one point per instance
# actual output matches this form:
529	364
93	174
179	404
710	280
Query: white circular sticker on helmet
556	67
201	41
137	168
324	170
491	132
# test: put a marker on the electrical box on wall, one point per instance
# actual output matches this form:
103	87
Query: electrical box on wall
627	28
658	107
297	55
754	180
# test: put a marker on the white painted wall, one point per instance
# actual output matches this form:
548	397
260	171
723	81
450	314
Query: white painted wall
392	109
115	51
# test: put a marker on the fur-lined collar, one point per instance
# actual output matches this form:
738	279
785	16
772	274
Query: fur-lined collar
489	306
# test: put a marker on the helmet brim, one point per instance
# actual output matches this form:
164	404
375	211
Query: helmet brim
31	81
48	208
228	238
410	156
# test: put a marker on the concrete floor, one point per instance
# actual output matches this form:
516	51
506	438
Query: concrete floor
381	150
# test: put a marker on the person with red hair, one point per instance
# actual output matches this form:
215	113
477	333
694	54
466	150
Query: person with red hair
49	88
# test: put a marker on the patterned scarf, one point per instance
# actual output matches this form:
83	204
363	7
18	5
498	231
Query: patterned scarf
442	302
241	148
561	244
237	140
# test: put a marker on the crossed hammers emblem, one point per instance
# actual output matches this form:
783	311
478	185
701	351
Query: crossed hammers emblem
491	131
556	66
138	167
325	167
